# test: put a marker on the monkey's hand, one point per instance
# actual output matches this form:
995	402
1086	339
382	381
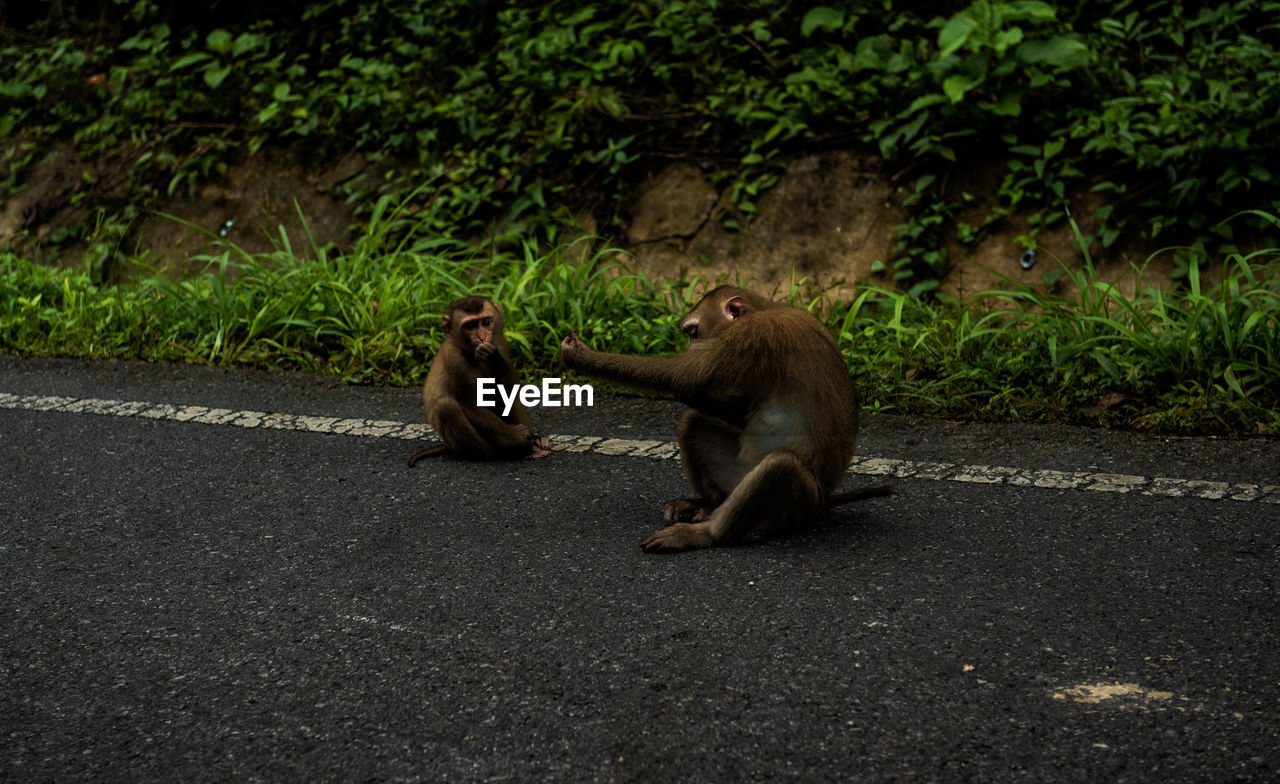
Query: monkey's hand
485	350
681	536
538	446
571	348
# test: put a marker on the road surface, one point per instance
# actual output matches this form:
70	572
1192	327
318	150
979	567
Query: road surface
229	575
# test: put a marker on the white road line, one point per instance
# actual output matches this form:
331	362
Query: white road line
660	450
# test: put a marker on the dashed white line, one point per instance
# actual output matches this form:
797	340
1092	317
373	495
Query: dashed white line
661	450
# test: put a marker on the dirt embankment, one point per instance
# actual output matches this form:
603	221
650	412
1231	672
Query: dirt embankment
829	218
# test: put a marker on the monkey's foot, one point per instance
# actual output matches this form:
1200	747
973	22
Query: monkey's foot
681	536
686	510
539	446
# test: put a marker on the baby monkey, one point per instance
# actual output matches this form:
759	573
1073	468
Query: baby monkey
474	348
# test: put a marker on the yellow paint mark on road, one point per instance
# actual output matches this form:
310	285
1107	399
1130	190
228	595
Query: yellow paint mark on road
1120	695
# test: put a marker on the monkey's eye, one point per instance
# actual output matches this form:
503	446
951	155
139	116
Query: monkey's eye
692	331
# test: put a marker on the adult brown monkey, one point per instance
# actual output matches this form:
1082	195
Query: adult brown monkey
473	348
773	424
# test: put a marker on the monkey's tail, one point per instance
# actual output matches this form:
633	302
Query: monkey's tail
837	499
432	452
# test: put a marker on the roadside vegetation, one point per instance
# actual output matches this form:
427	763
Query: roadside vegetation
505	117
1199	359
497	121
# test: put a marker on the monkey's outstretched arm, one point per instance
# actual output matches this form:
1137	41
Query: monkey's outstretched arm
679	374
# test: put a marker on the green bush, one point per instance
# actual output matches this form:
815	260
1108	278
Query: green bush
500	113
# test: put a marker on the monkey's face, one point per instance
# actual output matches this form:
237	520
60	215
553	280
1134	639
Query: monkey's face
712	314
475	333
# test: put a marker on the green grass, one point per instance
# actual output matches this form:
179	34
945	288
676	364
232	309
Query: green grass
1204	358
1196	359
371	315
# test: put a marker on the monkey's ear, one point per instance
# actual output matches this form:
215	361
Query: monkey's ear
734	308
446	324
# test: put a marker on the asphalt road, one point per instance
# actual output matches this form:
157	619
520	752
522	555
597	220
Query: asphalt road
232	602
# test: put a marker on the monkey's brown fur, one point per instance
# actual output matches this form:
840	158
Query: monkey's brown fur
474	347
774	419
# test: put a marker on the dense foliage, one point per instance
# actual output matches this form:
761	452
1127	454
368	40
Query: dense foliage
490	117
501	112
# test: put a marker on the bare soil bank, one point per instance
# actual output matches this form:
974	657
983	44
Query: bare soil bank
829	218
